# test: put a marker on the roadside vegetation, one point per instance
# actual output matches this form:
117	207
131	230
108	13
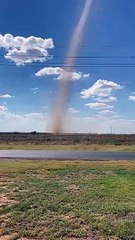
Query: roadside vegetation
82	142
76	147
70	200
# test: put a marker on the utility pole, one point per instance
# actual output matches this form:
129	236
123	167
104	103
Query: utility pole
111	130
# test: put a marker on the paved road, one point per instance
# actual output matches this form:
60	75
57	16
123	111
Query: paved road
65	155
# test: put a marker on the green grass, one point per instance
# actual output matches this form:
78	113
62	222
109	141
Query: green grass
81	147
68	200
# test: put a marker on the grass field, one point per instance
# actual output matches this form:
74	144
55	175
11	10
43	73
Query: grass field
67	200
80	147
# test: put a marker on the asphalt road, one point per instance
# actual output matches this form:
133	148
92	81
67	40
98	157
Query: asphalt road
65	155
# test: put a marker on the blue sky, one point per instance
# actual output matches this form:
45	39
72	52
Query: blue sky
103	86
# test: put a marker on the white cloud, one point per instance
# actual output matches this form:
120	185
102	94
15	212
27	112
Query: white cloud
102	88
6	96
98	105
3	108
34	115
49	71
73	110
107	112
107	99
86	75
60	73
34	90
132	98
22	50
12	116
9	115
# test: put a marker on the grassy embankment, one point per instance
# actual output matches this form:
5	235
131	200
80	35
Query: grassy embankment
80	147
67	200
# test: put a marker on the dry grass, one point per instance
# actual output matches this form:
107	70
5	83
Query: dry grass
67	200
79	147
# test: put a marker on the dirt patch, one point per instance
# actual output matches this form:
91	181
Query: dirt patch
73	188
130	216
5	179
4	219
92	237
25	239
5	201
9	237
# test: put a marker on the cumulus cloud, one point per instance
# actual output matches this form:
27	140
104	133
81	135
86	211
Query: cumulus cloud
6	96
73	110
102	88
3	108
22	50
86	75
132	98
107	112
106	99
60	73
98	105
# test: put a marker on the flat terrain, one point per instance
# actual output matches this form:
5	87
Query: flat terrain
87	142
67	200
73	147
